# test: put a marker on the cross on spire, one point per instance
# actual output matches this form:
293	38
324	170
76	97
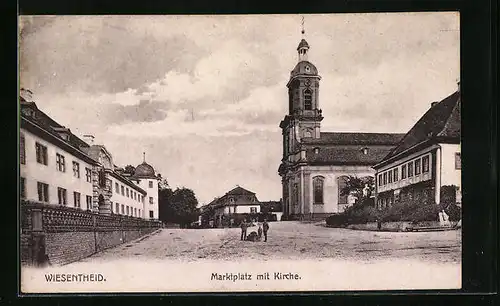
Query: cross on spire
303	30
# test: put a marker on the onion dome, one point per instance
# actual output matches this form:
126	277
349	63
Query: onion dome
144	170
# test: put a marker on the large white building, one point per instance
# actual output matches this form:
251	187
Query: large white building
59	168
426	159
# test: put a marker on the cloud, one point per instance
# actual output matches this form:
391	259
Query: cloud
203	95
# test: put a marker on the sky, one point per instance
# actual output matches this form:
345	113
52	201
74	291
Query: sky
203	96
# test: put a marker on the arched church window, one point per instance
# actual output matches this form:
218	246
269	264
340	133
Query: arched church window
307	99
290	101
342	183
318	186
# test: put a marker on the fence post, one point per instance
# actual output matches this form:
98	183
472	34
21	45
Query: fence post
39	256
94	227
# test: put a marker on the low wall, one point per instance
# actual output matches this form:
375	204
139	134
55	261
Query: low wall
60	235
402	226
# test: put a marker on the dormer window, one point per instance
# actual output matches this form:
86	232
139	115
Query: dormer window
316	150
308	68
364	150
231	200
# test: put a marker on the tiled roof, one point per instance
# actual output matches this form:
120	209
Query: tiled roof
346	156
44	121
335	138
441	121
239	191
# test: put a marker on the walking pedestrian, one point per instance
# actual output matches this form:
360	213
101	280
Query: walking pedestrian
244	226
265	228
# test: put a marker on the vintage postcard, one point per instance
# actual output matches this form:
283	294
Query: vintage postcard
240	153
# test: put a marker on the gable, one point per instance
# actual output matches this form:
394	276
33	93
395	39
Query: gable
441	121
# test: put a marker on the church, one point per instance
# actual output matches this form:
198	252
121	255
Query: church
315	164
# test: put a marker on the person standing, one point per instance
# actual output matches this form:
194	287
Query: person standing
259	233
244	227
265	228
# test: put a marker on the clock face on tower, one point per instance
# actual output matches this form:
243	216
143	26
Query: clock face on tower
308	82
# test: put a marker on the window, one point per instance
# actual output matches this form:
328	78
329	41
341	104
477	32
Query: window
76	199
417	166
126	189
43	192
140	213
123	190
458	161
22	187
88	175
307	99
151	214
41	154
410	169
253	209
61	165
395	174
117	208
135	212
385	178
117	188
61	196
150	200
127	210
403	172
231	200
389	176
89	202
123	209
380	179
150	184
76	169
22	149
425	164
342	183
318	183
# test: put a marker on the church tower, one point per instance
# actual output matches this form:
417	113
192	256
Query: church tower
302	121
304	115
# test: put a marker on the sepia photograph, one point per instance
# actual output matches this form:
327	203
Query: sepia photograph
239	153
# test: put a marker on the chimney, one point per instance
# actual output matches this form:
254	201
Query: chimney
89	139
434	103
26	94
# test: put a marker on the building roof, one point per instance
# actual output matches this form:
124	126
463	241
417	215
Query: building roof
346	155
239	191
441	122
334	138
47	123
304	68
144	170
126	181
303	43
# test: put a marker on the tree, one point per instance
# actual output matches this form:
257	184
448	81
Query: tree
129	169
177	206
355	185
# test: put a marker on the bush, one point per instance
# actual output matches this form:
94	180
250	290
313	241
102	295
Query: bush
338	220
454	212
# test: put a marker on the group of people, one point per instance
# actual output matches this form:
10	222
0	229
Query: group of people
254	236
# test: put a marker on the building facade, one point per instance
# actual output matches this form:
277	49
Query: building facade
427	158
238	201
316	165
146	179
59	168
